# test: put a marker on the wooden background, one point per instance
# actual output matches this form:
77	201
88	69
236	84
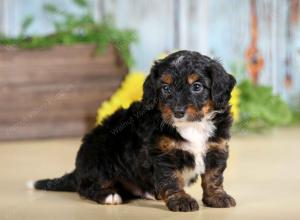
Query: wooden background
219	28
55	92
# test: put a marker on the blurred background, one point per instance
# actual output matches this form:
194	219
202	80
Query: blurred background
61	61
67	64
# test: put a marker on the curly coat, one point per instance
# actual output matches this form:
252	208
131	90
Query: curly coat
160	145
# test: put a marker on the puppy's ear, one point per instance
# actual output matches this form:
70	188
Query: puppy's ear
222	84
149	87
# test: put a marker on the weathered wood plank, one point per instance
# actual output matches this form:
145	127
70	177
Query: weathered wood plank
56	65
31	97
45	129
55	114
72	74
32	118
54	92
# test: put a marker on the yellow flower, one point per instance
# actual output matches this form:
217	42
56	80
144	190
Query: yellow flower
131	90
162	56
235	101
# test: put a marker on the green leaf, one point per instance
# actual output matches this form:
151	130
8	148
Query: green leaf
50	8
260	109
73	28
27	22
81	3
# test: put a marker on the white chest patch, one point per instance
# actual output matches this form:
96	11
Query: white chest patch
196	135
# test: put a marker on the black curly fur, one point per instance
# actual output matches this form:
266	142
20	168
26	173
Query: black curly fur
123	155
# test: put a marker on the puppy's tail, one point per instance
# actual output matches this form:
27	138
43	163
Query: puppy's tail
66	183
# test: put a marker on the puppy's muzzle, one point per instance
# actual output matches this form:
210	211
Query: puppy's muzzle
179	111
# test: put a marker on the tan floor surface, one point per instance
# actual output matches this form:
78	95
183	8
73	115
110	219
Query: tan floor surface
263	176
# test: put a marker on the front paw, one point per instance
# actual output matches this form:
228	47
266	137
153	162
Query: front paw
220	200
182	203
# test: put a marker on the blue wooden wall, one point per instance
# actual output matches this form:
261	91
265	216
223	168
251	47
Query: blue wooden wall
219	28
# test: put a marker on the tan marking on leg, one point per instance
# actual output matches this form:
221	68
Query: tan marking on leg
180	178
214	194
177	176
212	182
221	144
166	143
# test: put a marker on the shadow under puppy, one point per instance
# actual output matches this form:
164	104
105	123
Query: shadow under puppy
156	147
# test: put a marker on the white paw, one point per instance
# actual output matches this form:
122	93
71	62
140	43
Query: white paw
149	196
113	199
30	184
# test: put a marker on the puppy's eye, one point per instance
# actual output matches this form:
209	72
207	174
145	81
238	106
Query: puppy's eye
166	88
197	87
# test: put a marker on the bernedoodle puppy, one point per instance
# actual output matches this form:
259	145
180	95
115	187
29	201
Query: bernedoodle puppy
160	145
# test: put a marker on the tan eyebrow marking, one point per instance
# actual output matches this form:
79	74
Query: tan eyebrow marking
167	78
192	78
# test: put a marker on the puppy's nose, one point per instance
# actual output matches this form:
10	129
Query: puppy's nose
179	112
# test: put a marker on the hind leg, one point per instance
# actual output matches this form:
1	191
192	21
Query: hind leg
101	193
